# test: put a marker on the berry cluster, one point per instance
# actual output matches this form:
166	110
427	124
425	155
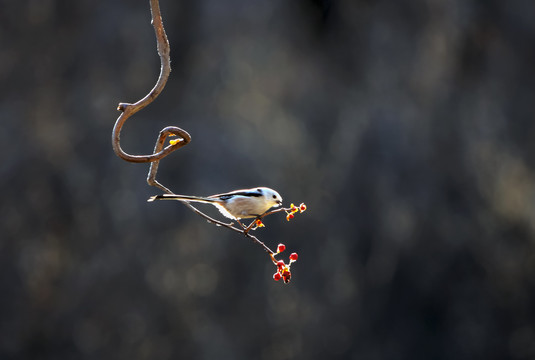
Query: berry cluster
283	269
293	209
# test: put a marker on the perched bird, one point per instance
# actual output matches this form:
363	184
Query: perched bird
238	204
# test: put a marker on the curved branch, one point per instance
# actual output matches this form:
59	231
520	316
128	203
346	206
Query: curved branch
130	109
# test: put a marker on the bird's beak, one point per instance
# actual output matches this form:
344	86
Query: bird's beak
279	202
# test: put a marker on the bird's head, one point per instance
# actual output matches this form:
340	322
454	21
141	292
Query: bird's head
272	197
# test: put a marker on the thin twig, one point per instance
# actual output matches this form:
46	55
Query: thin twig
229	226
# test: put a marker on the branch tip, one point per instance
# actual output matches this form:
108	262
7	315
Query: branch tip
122	106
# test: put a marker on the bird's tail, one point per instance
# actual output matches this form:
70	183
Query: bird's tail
183	198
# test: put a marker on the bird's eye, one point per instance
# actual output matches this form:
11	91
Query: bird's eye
274	196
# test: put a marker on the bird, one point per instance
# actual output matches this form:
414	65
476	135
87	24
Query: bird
237	204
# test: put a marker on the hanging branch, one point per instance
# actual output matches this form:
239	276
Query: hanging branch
130	109
183	138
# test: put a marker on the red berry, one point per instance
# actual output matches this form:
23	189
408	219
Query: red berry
280	264
277	276
281	248
303	207
286	277
293	257
291	216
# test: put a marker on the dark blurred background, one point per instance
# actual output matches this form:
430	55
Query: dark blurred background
407	128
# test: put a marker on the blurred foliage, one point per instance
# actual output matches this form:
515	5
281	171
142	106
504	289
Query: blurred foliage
406	127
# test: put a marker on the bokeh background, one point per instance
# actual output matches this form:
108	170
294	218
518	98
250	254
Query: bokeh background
407	127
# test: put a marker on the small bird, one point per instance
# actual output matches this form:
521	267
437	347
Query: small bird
238	204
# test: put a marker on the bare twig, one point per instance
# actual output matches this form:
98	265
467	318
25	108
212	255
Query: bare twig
229	226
